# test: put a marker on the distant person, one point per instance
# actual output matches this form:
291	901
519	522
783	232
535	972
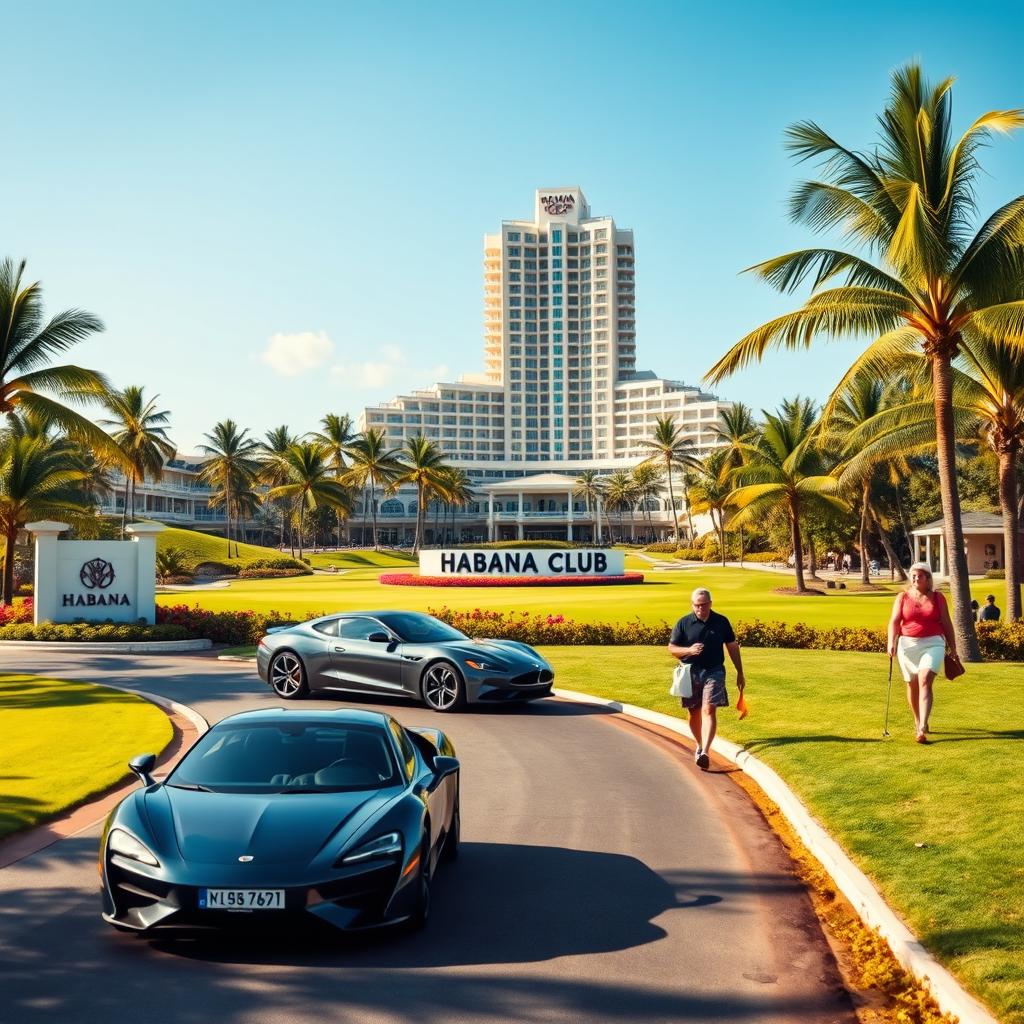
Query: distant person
990	613
700	640
974	610
919	631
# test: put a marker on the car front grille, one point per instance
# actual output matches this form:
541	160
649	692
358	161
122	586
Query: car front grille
534	678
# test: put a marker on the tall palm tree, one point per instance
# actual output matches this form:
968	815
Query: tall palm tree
457	490
424	466
783	474
671	449
38	478
372	464
735	429
27	346
311	482
621	494
923	277
647	480
231	468
711	490
590	486
140	432
273	464
336	432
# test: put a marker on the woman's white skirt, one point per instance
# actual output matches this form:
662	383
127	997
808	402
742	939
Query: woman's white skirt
916	653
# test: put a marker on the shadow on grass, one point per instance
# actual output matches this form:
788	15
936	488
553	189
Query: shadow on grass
968	735
767	742
23	691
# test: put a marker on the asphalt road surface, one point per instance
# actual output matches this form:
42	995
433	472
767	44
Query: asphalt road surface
602	879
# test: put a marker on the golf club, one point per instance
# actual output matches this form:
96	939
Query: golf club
888	692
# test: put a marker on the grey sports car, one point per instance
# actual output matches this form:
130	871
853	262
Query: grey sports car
399	653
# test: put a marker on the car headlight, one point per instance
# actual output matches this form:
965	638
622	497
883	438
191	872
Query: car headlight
382	846
128	846
486	666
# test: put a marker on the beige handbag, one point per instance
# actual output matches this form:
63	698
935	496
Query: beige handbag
682	684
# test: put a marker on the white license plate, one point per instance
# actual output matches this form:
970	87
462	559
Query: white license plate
241	899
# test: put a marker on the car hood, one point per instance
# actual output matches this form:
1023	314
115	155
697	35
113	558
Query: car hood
511	652
272	828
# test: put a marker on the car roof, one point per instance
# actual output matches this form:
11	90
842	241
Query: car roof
374	614
331	716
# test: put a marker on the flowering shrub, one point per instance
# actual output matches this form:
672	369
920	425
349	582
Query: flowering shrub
1001	641
13	613
255	573
279	562
766	556
662	547
537	628
111	632
408	579
222	627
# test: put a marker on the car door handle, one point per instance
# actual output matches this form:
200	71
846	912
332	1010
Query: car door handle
338	650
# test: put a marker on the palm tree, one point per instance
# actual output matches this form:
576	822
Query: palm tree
670	448
735	430
863	400
620	492
711	490
336	432
590	486
373	465
231	469
27	344
923	278
140	432
273	463
457	490
311	482
38	478
647	481
783	474
425	467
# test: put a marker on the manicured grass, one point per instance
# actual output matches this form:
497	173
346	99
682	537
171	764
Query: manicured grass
361	559
64	741
738	593
201	547
937	827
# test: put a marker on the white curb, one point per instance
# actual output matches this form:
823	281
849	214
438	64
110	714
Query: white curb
849	879
127	647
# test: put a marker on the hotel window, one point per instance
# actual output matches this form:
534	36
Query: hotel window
531	238
574	236
556	264
556	289
515	277
556	235
602	233
556	250
514	264
556	276
513	236
514	250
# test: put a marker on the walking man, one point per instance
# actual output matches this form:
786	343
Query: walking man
700	640
990	613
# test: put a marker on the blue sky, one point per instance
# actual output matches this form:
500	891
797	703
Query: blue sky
223	182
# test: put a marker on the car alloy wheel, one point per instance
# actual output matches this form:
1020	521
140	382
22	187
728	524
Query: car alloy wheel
442	687
287	676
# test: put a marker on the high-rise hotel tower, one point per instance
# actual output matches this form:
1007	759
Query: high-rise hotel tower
560	389
559	326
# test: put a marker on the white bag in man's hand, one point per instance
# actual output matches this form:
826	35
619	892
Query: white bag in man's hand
682	684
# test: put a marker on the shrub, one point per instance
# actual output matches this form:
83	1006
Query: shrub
766	556
995	574
234	628
690	554
176	580
214	568
249	573
15	613
170	562
284	562
666	547
87	632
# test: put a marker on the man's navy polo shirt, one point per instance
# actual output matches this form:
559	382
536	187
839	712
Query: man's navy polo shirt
714	634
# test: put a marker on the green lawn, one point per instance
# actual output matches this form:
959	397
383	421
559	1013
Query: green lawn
64	741
738	593
201	547
816	717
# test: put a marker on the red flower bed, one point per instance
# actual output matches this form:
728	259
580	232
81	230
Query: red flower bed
408	579
10	614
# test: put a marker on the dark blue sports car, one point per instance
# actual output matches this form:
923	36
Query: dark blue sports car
340	816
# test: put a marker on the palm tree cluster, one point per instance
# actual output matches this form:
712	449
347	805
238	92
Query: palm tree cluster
924	277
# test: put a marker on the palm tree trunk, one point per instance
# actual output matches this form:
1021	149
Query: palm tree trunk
302	522
721	534
7	594
632	524
124	510
956	559
1011	530
798	549
863	540
890	551
812	556
672	503
227	512
906	534
419	521
373	510
741	547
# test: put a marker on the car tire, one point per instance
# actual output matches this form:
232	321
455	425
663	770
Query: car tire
287	676
442	688
454	837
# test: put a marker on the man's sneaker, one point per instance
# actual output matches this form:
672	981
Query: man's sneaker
703	761
696	754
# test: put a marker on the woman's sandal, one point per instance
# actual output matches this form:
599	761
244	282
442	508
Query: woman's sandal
921	737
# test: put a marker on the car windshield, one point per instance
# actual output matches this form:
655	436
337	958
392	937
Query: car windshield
294	756
420	629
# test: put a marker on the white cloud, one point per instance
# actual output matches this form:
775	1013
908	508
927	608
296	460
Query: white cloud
392	367
292	354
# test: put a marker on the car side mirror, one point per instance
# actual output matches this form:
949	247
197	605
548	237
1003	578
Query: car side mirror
379	638
442	768
143	766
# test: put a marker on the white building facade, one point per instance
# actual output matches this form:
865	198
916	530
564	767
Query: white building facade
559	393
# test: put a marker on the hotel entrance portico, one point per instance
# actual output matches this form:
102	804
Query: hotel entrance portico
540	507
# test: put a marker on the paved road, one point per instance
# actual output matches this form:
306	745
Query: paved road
603	879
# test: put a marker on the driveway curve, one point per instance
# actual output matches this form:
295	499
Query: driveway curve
603	879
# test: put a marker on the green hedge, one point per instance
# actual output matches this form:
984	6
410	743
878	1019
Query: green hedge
665	547
215	568
83	632
249	573
284	562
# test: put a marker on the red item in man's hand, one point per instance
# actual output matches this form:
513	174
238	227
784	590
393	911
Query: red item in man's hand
741	706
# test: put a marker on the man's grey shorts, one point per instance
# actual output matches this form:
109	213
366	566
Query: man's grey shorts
708	689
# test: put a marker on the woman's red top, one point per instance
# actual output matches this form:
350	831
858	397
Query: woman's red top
924	619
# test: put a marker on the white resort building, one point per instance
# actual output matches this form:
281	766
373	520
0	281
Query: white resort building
559	393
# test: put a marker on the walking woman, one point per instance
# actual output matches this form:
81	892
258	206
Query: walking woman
919	631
